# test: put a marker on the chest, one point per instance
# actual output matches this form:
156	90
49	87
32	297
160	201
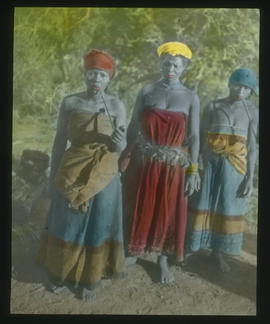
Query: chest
235	116
79	103
173	100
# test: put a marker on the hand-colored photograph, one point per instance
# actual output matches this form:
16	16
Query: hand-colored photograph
135	161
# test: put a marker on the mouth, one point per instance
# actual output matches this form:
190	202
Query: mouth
170	76
94	87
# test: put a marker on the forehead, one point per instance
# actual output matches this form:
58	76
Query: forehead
97	70
235	84
172	59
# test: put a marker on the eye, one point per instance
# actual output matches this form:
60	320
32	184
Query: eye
90	74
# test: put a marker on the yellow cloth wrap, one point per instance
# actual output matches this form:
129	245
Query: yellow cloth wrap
205	221
193	168
88	165
175	48
87	265
233	147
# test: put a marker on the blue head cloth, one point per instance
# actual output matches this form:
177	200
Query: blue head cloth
244	77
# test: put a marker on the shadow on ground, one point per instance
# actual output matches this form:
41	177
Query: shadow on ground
241	280
250	243
151	269
24	268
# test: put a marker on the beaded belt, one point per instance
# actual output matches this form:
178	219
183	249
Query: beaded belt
162	153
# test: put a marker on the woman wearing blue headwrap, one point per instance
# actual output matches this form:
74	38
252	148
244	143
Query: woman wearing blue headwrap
216	213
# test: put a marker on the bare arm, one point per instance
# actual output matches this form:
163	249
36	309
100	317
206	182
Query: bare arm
251	146
251	155
132	133
193	179
194	130
246	187
134	125
205	126
59	143
119	134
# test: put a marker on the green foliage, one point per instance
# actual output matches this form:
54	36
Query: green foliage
49	44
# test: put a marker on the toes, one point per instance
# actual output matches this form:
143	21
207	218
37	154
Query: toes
167	278
225	268
88	295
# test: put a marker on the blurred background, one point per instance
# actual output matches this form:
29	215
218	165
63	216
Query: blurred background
49	44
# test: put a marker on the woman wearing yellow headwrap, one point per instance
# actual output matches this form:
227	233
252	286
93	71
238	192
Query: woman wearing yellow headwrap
163	145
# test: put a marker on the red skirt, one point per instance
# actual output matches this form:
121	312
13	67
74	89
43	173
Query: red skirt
154	202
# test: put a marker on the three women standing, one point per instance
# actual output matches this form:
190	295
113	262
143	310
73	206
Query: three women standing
83	240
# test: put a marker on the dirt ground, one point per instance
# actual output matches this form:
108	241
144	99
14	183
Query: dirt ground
198	289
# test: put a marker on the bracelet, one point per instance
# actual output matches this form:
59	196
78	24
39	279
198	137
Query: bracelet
193	168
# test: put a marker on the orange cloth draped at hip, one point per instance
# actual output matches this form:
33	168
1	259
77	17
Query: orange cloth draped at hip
88	165
233	147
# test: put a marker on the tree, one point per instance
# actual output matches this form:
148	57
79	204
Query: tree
49	44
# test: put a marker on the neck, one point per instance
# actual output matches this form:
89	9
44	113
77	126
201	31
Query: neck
232	100
95	96
172	84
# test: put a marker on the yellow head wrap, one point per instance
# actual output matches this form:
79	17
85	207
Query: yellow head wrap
174	48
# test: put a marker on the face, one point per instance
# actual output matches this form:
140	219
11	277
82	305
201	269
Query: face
172	67
239	91
96	80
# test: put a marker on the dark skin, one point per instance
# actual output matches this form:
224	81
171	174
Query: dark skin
235	110
94	99
169	94
234	105
91	100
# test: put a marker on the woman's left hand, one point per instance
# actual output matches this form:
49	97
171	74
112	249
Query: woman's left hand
193	182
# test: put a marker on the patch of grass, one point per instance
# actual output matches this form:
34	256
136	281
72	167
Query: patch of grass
32	133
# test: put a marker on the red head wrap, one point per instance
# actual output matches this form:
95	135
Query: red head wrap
96	59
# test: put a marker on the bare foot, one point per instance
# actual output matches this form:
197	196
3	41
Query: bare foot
187	256
88	294
56	288
130	260
166	275
222	264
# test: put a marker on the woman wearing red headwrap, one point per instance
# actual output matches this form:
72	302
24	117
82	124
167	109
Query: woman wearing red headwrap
83	239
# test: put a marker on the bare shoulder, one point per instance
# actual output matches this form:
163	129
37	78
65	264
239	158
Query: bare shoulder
193	95
116	102
253	111
213	107
117	106
148	88
71	101
217	103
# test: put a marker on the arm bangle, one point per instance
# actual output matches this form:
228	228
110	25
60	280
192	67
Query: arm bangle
193	168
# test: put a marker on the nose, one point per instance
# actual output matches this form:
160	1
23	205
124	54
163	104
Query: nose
97	76
170	68
242	90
